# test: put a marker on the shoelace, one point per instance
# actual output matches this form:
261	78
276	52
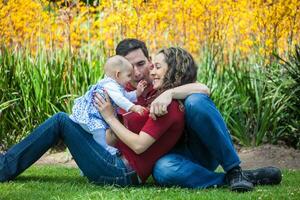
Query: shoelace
237	176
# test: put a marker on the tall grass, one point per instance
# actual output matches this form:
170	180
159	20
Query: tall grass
259	103
255	108
35	87
286	75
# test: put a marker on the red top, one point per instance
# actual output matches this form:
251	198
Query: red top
166	130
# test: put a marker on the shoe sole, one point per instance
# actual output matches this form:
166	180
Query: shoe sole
241	189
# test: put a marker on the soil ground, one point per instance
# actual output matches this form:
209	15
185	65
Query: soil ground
252	157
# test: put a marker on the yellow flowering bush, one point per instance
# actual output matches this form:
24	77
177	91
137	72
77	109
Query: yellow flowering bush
52	50
244	26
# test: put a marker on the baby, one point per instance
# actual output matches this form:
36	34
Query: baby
118	72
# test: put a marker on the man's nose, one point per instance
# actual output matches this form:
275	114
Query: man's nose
136	71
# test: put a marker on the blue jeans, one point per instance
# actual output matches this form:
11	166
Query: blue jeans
207	145
97	164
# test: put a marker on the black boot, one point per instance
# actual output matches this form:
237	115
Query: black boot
264	176
237	181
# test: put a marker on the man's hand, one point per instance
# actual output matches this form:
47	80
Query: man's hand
160	105
141	86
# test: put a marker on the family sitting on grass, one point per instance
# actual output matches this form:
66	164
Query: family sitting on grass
145	117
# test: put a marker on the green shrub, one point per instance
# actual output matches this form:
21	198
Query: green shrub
259	103
285	74
34	88
242	91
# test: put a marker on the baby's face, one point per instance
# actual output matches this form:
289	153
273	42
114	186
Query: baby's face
125	76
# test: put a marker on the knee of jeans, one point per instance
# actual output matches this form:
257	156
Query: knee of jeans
165	170
197	104
60	117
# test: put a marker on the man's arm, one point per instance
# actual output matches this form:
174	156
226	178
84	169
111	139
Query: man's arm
181	92
159	105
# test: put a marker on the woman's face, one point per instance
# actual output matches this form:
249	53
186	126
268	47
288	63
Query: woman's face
158	71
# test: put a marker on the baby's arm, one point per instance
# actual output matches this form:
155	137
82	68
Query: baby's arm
114	92
117	96
132	95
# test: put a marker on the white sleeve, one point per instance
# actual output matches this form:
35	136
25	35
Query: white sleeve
115	93
131	96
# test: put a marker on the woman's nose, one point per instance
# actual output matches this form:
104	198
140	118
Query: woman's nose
153	71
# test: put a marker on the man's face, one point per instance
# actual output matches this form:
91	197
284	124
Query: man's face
141	66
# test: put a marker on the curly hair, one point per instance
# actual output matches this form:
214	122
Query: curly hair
182	68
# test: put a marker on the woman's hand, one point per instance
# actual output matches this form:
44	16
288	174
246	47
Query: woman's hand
160	104
104	106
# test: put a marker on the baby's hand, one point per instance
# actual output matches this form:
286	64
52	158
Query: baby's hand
141	87
138	109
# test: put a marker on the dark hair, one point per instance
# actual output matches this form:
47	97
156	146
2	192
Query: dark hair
128	45
182	68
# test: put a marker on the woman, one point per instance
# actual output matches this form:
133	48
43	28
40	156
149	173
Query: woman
139	146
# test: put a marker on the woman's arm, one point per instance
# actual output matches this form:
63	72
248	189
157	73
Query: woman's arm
111	138
159	105
137	142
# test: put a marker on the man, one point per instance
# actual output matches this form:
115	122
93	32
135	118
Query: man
207	143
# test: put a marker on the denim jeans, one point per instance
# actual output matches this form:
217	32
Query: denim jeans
97	164
207	145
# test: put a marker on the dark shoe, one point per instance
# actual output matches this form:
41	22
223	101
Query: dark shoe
237	181
264	176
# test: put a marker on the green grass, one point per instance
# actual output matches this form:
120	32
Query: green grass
57	183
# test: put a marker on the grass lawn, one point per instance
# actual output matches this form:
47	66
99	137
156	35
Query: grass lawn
56	183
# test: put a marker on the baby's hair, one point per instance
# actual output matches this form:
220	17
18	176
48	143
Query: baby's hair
116	62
